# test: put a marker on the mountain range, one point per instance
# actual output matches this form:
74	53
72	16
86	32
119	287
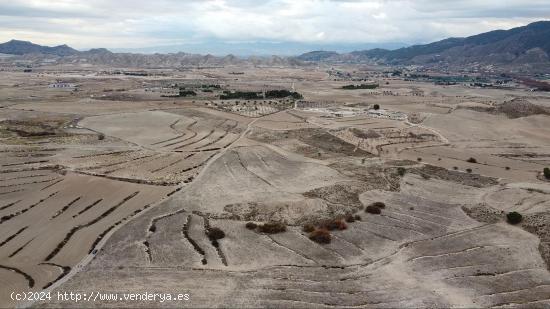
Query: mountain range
527	45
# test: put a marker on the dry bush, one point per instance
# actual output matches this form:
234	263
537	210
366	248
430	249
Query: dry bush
321	236
215	233
272	227
379	204
514	217
335	224
375	210
251	225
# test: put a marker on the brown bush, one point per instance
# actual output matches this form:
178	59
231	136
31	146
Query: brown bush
321	236
335	224
272	227
373	210
251	225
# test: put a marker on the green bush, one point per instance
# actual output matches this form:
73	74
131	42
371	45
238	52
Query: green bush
546	172
514	217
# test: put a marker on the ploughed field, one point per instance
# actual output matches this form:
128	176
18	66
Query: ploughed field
267	205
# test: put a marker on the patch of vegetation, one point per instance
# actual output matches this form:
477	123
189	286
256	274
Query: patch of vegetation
272	228
362	86
376	107
278	94
514	217
469	170
546	173
187	93
357	218
375	208
251	225
215	234
321	236
401	171
471	160
372	209
334	224
378	204
101	136
242	95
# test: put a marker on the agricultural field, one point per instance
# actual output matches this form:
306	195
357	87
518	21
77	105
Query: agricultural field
135	184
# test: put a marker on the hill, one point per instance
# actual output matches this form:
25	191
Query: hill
527	44
16	47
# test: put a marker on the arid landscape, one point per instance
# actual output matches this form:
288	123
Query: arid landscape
278	183
102	192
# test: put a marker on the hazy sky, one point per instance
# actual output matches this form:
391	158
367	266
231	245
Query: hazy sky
141	23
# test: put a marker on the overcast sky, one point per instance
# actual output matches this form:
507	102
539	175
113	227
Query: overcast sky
142	23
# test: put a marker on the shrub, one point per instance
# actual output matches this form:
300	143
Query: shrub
455	168
215	233
379	204
507	168
472	160
336	224
272	227
251	225
376	107
469	170
321	236
357	218
401	171
514	217
101	136
419	159
308	228
375	210
546	172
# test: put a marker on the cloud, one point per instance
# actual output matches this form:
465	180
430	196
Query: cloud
140	23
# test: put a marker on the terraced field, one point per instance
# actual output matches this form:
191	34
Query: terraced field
274	206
